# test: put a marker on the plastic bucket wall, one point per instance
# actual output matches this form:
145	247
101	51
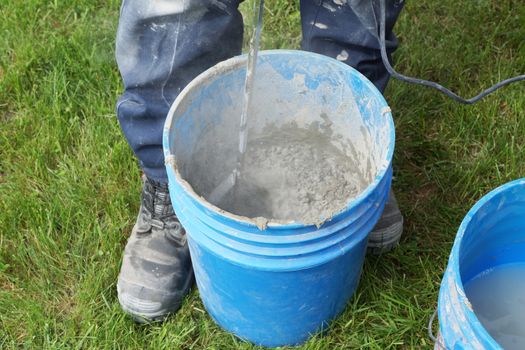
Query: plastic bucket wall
492	234
276	283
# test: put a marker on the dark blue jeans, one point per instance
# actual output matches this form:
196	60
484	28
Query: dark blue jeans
163	44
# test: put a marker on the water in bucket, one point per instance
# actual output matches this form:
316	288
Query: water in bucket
498	299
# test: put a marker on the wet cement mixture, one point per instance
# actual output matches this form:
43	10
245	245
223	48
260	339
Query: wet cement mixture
294	174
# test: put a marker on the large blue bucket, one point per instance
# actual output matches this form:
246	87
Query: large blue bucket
272	282
491	235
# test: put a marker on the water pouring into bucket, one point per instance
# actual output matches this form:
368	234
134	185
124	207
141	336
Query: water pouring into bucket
287	172
304	159
228	184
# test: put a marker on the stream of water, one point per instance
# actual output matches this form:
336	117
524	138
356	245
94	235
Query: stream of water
229	184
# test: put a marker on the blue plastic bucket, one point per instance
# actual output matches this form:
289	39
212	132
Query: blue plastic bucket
491	235
270	282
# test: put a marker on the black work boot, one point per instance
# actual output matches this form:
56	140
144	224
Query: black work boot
387	232
156	270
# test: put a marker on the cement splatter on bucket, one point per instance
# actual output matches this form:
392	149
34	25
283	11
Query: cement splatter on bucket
279	260
482	296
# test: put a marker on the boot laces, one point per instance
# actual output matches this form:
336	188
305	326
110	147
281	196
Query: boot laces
158	204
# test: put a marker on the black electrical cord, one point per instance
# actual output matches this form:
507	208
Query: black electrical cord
431	84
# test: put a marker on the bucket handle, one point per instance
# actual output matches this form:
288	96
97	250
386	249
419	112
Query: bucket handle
431	335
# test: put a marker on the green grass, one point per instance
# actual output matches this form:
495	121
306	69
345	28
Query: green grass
69	185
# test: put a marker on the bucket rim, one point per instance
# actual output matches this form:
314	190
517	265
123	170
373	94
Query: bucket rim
260	222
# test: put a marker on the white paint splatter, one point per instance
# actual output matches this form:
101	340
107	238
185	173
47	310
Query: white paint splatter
343	56
321	25
172	64
221	6
163	8
329	7
154	26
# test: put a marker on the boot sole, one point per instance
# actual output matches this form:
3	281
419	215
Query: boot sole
135	307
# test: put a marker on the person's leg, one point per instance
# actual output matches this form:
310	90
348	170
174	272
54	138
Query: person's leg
161	46
348	31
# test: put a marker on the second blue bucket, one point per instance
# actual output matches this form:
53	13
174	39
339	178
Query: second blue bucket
492	235
276	283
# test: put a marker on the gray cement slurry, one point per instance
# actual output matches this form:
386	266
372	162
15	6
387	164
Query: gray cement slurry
290	173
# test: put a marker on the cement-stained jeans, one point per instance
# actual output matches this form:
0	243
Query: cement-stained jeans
163	44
